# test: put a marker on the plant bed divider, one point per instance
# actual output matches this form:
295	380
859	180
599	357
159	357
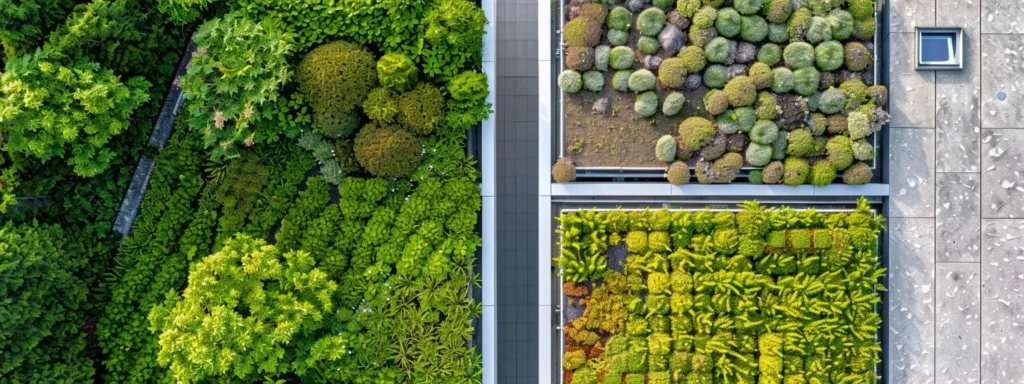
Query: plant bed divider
642	173
559	297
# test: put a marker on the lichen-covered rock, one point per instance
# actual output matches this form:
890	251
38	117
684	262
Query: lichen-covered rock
564	170
665	149
879	94
672	39
646	104
637	5
772	173
673	104
737	70
826	80
859	173
736	142
839	152
693	81
716	148
793	109
723	170
652	63
678	173
570	81
795	171
579	58
677	19
600	106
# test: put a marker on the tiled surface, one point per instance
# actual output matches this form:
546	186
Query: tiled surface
1002	70
976	251
516	59
1002	301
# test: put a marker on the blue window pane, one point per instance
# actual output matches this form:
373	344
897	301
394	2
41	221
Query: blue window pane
935	48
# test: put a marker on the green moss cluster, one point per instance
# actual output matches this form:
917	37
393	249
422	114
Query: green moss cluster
767	106
705	17
805	81
593	81
673	104
647	45
617	38
857	56
665	149
619	18
582	32
620	80
798	24
570	81
858	124
864	29
716	76
717	50
621	58
753	28
761	75
801	143
579	58
721	171
863	150
798	55
642	80
841	23
795	171
678	173
819	30
778	11
715	102
778	33
769	54
823	173
877	93
563	171
727	22
695	133
782	80
387	151
829	55
832	101
397	72
764	132
759	155
818	124
337	77
421	110
748	7
650	21
646	104
740	91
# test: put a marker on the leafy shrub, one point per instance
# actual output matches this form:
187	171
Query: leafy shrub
805	81
468	102
619	18
45	306
563	171
798	55
335	78
673	104
727	22
69	112
397	72
672	73
769	54
593	81
646	103
648	45
717	50
782	80
693	58
650	21
621	58
829	55
421	110
753	28
841	24
642	80
26	22
454	37
387	151
716	76
740	91
570	81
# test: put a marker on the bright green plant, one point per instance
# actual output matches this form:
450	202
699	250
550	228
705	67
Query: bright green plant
72	112
387	151
228	82
26	22
421	110
468	102
453	40
335	78
397	72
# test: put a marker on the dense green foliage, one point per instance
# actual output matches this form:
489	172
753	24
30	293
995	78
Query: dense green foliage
26	23
238	66
760	295
69	112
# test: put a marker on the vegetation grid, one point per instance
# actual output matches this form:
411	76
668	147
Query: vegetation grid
312	218
758	295
782	88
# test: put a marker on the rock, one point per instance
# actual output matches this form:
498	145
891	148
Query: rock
794	110
715	149
677	19
601	106
737	70
693	81
868	76
746	53
870	46
672	39
844	75
636	6
733	47
652	62
736	142
828	79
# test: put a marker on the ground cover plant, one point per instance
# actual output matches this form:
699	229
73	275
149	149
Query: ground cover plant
315	199
780	88
759	295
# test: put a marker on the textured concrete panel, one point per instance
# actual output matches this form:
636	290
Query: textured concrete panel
905	15
958	217
1002	301
958	93
912	274
1002	16
912	172
1002	178
911	93
911	364
958	320
1002	70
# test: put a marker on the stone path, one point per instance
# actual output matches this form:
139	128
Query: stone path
956	230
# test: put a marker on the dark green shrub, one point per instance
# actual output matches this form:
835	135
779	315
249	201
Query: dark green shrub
829	55
387	151
336	126
646	104
45	305
753	28
727	22
715	76
717	50
805	81
421	110
693	58
672	73
778	11
740	91
841	23
769	54
782	80
619	18
570	81
650	21
397	72
27	22
336	77
798	55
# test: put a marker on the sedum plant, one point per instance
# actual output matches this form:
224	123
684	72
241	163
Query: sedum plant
239	65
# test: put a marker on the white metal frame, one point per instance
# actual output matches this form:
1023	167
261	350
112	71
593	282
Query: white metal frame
488	323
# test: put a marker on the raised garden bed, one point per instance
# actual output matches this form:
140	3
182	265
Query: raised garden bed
731	296
672	88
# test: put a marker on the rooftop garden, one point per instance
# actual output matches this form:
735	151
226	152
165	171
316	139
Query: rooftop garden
734	296
311	219
776	91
